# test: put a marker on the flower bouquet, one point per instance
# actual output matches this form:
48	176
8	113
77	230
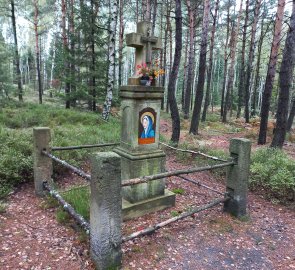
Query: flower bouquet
149	74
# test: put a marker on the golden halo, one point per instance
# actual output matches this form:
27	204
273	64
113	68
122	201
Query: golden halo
148	114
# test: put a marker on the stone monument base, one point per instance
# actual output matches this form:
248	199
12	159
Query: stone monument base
137	209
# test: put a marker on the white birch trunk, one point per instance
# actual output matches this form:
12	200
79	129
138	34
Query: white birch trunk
110	88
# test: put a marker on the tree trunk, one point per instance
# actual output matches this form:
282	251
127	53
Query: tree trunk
146	8
225	60
242	68
191	60
202	69
16	54
110	87
174	73
154	16
72	44
291	115
250	60
66	54
231	71
271	72
209	75
121	39
169	29
37	50
257	75
92	66
165	52
285	83
184	70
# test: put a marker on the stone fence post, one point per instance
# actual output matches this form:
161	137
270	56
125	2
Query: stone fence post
238	177
106	210
42	164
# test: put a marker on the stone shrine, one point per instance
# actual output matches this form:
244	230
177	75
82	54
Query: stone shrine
139	147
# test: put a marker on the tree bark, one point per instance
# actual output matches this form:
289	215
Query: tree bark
155	7
225	60
16	54
291	115
110	86
165	52
169	30
184	70
209	75
250	60
121	39
242	68
202	69
231	71
271	73
174	73
37	50
66	54
257	75
191	60
285	83
146	8
92	81
72	45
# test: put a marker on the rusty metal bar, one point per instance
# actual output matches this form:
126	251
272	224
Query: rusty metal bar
171	220
69	166
83	146
67	207
193	152
145	179
199	184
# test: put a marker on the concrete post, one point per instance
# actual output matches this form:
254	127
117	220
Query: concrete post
42	164
105	210
238	177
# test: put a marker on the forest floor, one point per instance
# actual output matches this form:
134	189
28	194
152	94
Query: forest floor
31	237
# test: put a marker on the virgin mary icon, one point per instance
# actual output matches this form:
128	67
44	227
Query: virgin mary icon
146	132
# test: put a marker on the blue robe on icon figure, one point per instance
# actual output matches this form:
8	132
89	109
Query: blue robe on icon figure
147	124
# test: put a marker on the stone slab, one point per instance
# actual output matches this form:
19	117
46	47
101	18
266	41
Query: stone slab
138	209
141	92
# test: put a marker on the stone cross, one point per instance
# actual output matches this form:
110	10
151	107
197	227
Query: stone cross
143	42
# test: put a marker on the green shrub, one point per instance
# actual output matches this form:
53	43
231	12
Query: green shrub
272	170
15	158
68	127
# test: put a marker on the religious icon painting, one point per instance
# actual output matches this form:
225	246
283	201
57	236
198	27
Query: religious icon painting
146	126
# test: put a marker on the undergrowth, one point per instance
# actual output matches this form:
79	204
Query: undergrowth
79	198
68	127
274	172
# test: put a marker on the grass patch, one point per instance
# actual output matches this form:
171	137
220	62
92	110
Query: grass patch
174	213
178	191
49	203
68	127
273	172
79	198
62	216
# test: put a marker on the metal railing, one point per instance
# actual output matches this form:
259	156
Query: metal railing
86	226
145	179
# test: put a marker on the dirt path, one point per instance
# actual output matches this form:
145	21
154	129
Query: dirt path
32	239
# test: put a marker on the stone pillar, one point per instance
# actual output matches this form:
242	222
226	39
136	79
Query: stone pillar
238	177
140	153
140	159
105	210
42	164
